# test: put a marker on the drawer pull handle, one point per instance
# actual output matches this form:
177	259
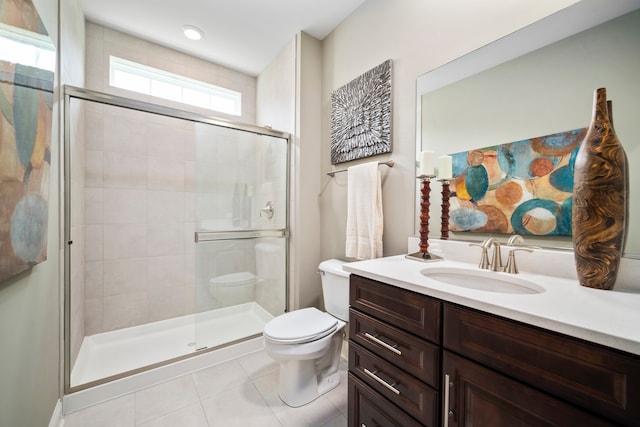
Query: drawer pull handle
447	411
382	343
381	381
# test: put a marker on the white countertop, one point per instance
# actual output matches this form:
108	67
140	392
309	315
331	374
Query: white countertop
607	317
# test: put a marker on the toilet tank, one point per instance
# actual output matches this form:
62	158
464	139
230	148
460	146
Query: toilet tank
335	288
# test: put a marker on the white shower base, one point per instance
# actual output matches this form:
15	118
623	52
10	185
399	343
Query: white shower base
115	352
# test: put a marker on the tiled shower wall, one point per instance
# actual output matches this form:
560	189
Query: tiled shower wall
139	200
139	214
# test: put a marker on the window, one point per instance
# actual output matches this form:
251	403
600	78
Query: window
24	47
151	81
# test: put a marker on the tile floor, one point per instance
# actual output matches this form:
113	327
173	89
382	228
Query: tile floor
241	392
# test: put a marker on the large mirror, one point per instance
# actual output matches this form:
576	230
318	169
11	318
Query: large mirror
535	82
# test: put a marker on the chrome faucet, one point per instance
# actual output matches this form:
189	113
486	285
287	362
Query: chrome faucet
511	267
515	239
484	256
496	260
511	261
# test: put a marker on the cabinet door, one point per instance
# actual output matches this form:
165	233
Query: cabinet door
478	396
368	409
595	378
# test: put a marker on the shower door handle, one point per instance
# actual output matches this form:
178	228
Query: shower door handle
268	210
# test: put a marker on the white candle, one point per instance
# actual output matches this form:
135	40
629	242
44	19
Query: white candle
445	167
427	162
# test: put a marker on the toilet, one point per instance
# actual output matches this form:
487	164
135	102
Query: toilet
308	342
233	288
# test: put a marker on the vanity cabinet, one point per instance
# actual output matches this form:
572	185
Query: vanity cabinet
499	369
416	359
394	356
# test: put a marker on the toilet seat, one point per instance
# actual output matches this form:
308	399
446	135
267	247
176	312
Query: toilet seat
300	326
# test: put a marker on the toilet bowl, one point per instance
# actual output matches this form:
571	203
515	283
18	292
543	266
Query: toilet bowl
307	343
234	288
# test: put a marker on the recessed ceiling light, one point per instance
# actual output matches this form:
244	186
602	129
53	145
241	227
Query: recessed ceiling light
191	32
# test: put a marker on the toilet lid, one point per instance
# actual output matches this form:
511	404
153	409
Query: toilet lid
300	326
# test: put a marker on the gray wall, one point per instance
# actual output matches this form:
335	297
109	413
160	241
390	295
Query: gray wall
418	35
30	304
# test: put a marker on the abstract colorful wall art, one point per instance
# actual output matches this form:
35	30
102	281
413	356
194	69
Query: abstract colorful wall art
522	187
361	116
27	64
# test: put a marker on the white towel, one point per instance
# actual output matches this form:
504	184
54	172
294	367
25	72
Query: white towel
364	212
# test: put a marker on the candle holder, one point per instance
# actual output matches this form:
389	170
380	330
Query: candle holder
424	255
444	224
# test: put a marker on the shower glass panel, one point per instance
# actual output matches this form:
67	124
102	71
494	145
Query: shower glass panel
176	231
241	222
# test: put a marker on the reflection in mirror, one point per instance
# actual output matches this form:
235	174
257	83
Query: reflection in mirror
27	64
544	91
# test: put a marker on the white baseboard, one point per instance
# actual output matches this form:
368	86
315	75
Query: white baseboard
56	418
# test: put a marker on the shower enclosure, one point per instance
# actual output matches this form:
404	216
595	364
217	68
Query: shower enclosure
176	227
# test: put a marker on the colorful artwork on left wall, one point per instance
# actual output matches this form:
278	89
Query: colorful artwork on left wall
27	64
522	187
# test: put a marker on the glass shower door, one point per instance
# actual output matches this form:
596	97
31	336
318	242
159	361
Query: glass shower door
241	232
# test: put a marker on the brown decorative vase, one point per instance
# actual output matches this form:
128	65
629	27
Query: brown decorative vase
599	200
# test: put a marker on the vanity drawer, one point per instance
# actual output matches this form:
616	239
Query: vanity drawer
416	356
408	393
367	408
413	312
598	379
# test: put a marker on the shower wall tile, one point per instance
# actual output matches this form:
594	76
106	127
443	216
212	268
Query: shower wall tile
125	241
189	297
165	272
94	127
190	142
190	176
125	276
93	205
122	311
165	207
94	279
166	304
94	243
94	168
165	175
93	323
124	132
125	206
166	141
165	239
189	206
123	170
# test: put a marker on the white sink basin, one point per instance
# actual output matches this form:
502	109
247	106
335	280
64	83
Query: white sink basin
483	280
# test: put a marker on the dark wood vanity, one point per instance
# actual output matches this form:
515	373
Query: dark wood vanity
415	360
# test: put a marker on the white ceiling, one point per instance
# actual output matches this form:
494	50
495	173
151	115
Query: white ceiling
244	35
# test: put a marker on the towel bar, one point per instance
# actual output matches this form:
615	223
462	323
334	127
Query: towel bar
389	163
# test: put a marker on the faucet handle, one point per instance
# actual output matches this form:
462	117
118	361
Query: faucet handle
515	239
484	257
511	262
